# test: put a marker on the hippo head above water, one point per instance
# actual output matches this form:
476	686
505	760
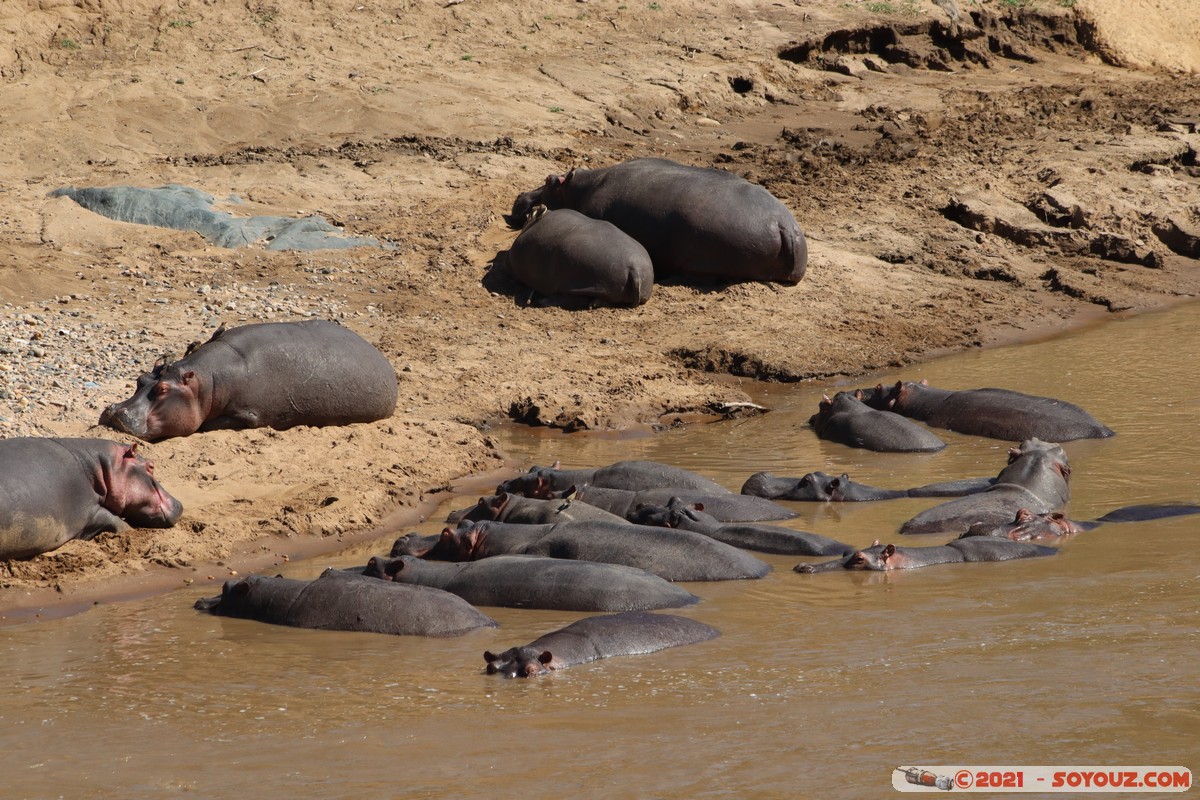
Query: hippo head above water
519	662
166	403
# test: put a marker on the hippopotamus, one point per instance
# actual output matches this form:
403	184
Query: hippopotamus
820	487
693	221
724	506
506	507
850	421
762	538
630	475
538	582
1027	525
341	601
55	490
995	413
670	554
1036	478
627	634
883	558
270	374
563	253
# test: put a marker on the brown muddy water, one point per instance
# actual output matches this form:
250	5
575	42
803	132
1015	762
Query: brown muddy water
819	686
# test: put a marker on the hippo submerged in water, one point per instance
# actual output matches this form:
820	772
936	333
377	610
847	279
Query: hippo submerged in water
691	220
340	601
850	421
996	413
884	558
537	582
821	487
55	490
271	374
627	634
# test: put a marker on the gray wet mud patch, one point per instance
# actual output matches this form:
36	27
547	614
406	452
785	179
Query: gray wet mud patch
187	209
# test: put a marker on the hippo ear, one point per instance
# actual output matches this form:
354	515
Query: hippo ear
875	543
556	465
1023	515
570	176
858	395
489	656
131	451
924	381
188	378
546	657
888	552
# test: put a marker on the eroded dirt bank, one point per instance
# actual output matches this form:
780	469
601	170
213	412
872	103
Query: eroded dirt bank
965	176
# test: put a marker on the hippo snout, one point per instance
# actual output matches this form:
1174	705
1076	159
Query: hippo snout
117	417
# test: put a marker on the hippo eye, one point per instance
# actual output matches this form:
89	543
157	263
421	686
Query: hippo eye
161	389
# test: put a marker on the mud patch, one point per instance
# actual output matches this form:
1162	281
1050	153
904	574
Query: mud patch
977	39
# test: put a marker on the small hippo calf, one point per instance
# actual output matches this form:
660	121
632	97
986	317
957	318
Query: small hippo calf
565	254
627	634
268	375
55	490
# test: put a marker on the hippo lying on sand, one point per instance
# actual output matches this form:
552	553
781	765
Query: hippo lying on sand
691	220
627	634
339	601
267	375
565	254
55	490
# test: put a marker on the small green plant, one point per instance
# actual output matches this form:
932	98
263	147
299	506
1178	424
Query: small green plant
1018	3
467	57
881	8
655	7
1067	3
556	109
181	23
68	44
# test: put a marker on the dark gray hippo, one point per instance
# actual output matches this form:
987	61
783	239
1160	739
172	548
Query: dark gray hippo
538	582
565	254
848	420
340	601
1037	478
1027	525
693	221
267	375
670	554
630	475
724	506
748	536
883	558
506	507
821	487
55	490
996	413
629	634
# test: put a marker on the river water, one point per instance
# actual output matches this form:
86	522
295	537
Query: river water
819	686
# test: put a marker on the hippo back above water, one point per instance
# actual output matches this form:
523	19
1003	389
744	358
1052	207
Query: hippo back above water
995	413
691	220
268	375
